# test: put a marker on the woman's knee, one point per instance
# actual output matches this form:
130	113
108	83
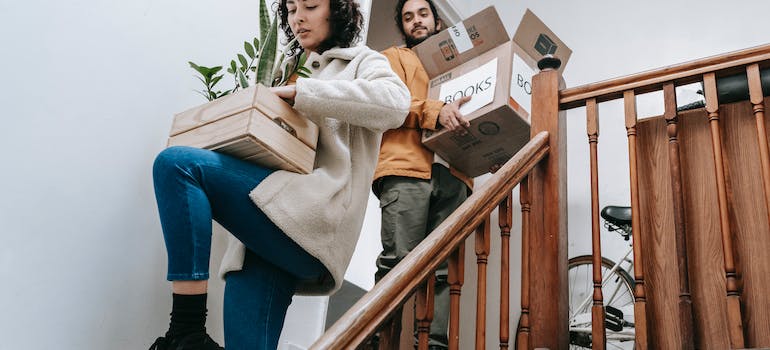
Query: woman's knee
176	158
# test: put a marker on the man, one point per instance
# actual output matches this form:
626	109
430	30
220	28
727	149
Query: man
417	190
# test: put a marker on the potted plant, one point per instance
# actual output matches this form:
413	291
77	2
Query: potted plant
248	121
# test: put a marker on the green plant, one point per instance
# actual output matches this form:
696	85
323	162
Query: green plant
209	78
260	59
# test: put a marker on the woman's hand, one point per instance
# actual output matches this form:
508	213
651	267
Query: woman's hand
287	93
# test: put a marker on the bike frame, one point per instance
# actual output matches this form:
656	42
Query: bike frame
606	278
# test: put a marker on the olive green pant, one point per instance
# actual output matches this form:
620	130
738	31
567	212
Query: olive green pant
411	209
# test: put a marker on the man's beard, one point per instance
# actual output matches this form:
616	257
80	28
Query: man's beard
412	41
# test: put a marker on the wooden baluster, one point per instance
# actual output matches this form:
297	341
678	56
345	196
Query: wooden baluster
640	304
598	333
504	218
522	336
390	332
733	295
455	278
424	312
549	305
757	101
685	299
482	253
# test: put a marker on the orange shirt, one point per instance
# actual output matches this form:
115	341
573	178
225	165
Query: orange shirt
402	152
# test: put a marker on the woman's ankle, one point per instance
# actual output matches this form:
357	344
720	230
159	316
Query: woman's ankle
190	287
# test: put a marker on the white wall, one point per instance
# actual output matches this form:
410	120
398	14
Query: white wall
88	91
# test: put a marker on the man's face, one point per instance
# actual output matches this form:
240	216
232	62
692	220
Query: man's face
418	22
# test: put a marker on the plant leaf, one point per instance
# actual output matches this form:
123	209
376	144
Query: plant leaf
264	22
256	43
204	71
203	94
302	59
249	49
233	66
242	78
215	70
267	56
244	62
216	80
193	65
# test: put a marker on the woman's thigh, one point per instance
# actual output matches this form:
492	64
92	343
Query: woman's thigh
227	182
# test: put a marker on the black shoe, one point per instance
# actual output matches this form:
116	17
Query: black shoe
193	341
159	344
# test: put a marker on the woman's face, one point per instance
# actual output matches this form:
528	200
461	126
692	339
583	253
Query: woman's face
309	21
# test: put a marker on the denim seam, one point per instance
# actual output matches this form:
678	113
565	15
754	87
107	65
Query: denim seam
190	225
269	308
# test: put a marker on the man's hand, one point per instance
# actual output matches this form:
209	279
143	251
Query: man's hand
288	93
450	116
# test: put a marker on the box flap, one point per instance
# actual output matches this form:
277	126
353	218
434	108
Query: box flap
458	44
538	40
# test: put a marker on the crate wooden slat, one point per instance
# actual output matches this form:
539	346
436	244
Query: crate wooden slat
254	125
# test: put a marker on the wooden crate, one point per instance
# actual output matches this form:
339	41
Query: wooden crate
253	124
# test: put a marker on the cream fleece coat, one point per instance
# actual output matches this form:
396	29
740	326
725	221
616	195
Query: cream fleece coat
353	96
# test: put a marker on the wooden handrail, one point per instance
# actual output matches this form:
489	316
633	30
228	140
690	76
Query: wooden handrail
653	80
363	318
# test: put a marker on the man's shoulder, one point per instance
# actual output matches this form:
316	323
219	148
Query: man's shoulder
399	53
403	50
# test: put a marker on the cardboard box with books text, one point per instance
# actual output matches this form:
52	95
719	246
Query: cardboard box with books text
477	58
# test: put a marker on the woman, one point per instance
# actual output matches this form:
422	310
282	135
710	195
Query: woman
293	233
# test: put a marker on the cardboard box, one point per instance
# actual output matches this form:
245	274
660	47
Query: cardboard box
500	81
497	79
462	42
538	40
253	124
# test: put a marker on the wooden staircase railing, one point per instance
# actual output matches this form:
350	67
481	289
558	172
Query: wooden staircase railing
388	294
544	231
672	218
702	196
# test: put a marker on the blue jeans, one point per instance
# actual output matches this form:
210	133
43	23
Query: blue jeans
194	186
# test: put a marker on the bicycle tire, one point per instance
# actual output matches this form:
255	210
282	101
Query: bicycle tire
580	278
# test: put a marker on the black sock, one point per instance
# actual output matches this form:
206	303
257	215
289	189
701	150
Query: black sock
188	315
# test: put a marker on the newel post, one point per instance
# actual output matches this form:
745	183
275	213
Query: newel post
549	306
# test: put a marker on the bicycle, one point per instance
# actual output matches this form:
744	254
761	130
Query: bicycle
617	289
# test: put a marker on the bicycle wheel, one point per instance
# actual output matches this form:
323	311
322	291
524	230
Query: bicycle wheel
617	291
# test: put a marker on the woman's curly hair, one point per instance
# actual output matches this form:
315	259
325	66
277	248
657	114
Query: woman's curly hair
345	25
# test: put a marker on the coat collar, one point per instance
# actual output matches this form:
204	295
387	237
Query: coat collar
344	53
